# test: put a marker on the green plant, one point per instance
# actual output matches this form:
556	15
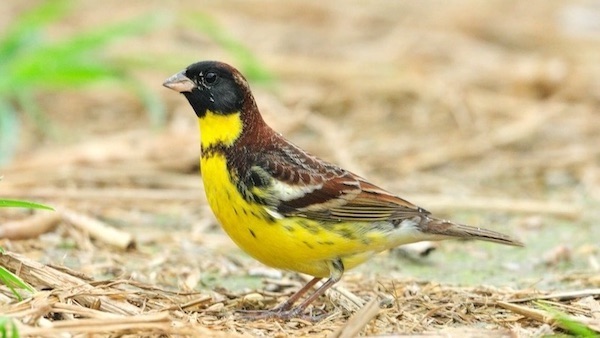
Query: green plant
8	328
30	63
14	282
8	278
22	204
566	322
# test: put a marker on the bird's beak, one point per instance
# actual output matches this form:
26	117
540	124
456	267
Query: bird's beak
179	82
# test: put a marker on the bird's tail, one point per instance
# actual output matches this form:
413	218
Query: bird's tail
438	227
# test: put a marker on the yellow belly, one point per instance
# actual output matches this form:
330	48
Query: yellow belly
292	243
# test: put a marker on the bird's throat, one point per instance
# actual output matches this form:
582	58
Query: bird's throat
219	129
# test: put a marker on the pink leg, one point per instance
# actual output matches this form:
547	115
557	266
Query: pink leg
285	306
286	310
297	311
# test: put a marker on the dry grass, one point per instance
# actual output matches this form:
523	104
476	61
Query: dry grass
485	112
76	304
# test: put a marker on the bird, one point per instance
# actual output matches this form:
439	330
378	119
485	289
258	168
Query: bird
287	208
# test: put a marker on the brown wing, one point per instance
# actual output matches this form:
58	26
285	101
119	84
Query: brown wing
366	202
289	182
303	185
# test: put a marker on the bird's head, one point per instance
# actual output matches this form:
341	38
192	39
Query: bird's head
211	86
223	102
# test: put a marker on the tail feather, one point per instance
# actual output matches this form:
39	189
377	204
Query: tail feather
445	228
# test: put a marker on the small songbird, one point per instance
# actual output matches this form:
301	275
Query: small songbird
289	209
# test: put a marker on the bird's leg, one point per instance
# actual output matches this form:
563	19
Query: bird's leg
285	306
336	270
298	310
285	311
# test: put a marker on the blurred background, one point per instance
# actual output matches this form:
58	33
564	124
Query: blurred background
484	112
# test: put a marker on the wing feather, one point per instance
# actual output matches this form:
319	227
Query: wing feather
303	185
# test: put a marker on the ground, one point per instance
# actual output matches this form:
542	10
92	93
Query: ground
483	112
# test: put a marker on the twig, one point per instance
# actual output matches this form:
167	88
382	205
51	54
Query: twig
30	227
357	301
192	303
360	319
99	230
82	311
560	295
158	321
38	274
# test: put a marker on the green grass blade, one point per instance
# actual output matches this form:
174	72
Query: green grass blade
8	328
53	71
22	204
14	331
78	60
23	33
14	282
572	326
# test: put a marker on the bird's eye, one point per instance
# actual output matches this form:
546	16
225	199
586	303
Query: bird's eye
210	78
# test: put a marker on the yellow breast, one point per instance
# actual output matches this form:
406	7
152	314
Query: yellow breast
290	243
253	229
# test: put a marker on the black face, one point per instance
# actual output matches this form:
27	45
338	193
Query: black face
217	89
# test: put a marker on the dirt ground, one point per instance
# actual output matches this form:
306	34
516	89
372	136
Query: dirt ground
483	112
